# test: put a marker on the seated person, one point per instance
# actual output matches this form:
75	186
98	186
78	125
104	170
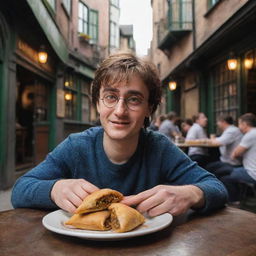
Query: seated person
228	141
186	125
168	126
247	150
145	166
197	132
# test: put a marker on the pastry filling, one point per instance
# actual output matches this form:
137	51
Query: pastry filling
107	223
114	221
105	201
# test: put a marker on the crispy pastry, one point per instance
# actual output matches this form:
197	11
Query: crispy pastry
99	200
124	218
91	221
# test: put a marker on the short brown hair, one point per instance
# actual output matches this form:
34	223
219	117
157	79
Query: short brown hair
120	67
249	119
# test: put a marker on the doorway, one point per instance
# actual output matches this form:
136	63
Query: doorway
32	126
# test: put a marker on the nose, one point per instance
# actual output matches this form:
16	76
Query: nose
120	108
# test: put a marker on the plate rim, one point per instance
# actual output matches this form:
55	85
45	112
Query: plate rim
104	236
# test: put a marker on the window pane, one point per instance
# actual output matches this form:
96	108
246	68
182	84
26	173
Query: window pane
83	18
225	91
80	10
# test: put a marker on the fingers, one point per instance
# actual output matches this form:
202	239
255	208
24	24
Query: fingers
87	186
68	206
150	203
136	199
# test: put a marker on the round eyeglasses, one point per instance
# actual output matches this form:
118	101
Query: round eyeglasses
132	102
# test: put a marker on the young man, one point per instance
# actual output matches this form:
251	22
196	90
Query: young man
145	166
247	150
197	132
228	141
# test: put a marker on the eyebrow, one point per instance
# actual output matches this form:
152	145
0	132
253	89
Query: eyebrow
133	92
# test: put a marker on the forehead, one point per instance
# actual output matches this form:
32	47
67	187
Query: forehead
133	85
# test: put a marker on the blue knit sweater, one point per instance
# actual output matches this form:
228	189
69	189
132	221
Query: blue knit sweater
155	161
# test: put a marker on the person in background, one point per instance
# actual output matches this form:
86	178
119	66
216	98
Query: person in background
197	132
230	138
121	154
155	124
168	127
186	125
247	150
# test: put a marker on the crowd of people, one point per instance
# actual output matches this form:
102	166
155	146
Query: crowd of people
237	146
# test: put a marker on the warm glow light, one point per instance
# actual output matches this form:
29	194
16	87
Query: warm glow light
68	96
42	55
248	63
232	64
172	85
66	83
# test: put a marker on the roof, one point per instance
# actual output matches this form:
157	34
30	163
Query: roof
126	30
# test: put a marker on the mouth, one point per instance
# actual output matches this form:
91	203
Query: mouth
120	122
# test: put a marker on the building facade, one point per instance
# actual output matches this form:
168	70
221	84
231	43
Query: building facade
44	101
192	43
127	42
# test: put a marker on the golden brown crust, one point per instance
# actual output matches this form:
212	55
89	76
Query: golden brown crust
91	221
124	218
99	200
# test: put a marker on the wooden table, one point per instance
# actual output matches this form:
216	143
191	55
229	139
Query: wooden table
229	231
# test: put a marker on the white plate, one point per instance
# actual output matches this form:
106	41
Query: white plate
54	221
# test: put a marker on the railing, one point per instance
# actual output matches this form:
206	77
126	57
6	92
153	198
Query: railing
177	22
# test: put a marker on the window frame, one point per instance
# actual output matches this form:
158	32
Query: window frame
84	6
225	87
68	9
93	39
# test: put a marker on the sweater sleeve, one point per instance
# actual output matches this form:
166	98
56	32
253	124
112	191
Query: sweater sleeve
181	170
33	189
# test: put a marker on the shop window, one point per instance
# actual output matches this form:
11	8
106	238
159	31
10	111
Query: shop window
70	89
77	98
225	90
83	17
67	5
93	26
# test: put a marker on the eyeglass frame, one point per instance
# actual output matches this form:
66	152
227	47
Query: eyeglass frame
118	99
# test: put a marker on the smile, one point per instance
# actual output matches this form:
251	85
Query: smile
119	123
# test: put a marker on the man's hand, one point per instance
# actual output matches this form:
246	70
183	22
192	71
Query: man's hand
69	194
163	198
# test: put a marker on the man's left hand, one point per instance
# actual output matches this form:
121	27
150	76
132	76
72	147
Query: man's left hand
165	198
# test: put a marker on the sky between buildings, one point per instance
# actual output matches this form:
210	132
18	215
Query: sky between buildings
138	13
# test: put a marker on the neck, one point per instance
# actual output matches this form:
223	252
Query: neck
119	151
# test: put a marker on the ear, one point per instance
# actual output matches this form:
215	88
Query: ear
98	107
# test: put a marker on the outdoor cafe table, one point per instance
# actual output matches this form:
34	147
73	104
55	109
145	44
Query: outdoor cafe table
230	232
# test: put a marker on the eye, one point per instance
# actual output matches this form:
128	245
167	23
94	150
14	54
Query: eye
134	100
110	98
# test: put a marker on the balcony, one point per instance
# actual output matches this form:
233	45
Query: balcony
177	24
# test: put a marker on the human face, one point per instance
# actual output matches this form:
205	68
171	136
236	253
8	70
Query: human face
202	120
220	125
185	127
120	122
242	126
